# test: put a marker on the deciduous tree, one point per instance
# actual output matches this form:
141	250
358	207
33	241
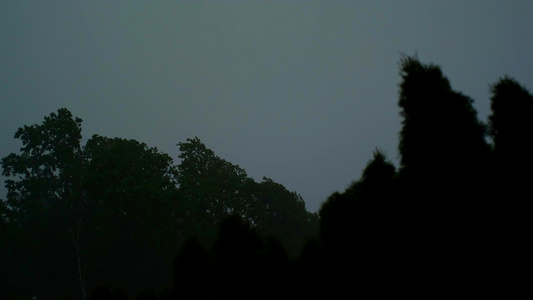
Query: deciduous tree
45	199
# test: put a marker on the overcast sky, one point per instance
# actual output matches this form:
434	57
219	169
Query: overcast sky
299	91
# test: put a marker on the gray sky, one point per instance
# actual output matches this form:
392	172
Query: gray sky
298	91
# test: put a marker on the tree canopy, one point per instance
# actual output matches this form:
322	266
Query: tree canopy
109	218
115	211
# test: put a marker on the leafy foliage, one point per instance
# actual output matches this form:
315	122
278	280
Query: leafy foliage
452	218
131	189
358	229
444	167
511	129
510	123
211	189
115	210
48	168
282	213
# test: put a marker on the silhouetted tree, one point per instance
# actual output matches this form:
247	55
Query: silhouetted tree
337	225
112	213
336	221
115	211
511	129
210	189
130	187
377	229
109	201
9	262
359	230
282	213
45	202
510	124
444	158
48	168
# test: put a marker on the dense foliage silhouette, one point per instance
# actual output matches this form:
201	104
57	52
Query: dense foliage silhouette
211	188
358	229
114	212
113	218
443	169
511	129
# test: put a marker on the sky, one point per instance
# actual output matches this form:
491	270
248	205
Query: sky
302	92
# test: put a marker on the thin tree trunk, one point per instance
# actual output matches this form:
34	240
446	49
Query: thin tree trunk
76	241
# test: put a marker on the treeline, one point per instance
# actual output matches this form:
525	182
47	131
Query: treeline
114	212
454	219
114	218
